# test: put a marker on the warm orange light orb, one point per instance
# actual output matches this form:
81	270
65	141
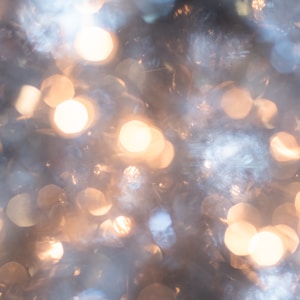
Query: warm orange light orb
266	248
71	116
94	44
50	250
284	147
237	237
135	136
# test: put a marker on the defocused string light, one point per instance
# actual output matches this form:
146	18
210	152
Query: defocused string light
21	210
93	201
266	248
94	44
238	236
237	103
284	147
56	89
135	136
72	117
27	100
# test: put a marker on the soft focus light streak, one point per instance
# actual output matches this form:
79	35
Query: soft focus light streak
94	44
71	117
266	248
28	100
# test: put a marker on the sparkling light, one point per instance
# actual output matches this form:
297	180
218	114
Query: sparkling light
284	147
71	117
237	237
94	44
266	248
122	226
27	100
49	250
135	136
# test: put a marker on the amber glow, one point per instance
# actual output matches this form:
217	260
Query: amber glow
237	237
122	226
289	238
244	212
285	214
94	44
135	136
21	210
94	201
156	146
27	100
266	248
237	103
89	6
50	250
266	112
56	89
284	147
71	117
165	158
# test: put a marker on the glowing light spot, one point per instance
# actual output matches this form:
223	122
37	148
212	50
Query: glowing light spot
71	117
266	248
237	237
122	226
156	146
56	89
27	100
89	6
135	136
237	103
289	238
258	4
266	112
94	44
49	195
49	250
244	212
285	214
94	201
284	147
165	158
21	210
